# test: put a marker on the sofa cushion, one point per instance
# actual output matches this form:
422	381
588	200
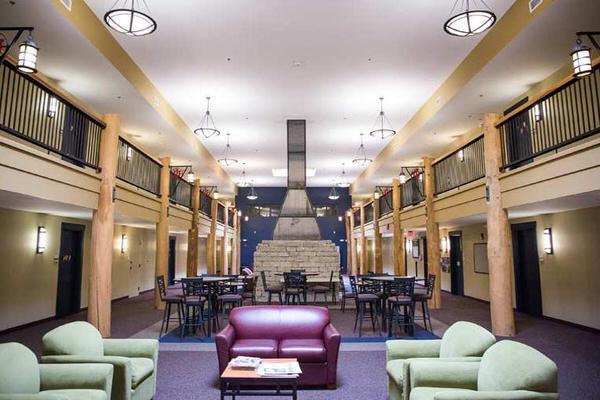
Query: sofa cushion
263	348
305	350
466	339
75	338
75	394
141	368
395	370
19	370
279	322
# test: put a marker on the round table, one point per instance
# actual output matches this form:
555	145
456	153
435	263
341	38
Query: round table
307	274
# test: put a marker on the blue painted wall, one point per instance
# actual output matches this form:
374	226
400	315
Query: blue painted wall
257	229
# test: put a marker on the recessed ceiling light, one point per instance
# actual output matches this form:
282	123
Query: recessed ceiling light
297	64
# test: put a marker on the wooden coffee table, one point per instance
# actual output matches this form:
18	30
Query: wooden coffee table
236	382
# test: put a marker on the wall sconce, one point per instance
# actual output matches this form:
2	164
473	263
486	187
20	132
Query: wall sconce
190	177
376	195
340	218
239	213
52	107
124	243
461	155
216	195
42	239
246	218
408	245
537	113
129	153
403	178
548	245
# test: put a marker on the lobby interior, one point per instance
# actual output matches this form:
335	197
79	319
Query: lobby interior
417	183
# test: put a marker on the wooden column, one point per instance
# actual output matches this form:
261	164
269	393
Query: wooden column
433	234
377	238
362	269
349	239
101	252
162	231
353	270
499	237
224	241
235	244
211	242
192	250
399	256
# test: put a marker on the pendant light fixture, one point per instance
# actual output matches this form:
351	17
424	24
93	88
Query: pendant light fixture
28	56
472	17
582	56
226	161
333	194
344	183
402	178
243	182
383	127
207	125
128	19
362	159
252	195
190	177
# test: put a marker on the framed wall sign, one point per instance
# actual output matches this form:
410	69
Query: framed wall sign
480	259
416	253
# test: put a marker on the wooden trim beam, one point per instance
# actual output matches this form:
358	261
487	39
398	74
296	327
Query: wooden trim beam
377	238
433	234
398	253
363	243
192	250
162	230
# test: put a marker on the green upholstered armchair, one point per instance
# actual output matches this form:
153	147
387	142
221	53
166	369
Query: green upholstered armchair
22	378
463	341
134	360
507	371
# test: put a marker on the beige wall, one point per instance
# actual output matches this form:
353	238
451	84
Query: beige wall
387	250
570	278
28	284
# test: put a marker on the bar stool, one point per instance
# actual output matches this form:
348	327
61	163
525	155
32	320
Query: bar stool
230	293
363	298
271	289
345	294
249	292
324	290
423	298
193	303
400	304
169	300
294	288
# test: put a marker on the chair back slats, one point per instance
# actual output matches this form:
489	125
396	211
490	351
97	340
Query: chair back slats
430	285
294	280
404	286
162	289
192	287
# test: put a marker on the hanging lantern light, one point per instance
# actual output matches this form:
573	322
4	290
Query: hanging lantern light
343	183
207	125
362	159
403	178
475	18
191	177
129	20
252	195
227	160
28	56
243	182
383	127
333	194
582	60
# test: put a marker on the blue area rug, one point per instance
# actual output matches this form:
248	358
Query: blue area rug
420	334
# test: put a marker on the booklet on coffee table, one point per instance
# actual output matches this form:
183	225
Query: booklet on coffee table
242	362
291	369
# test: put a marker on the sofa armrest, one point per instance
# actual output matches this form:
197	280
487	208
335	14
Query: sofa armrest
403	349
32	396
331	341
121	386
495	395
461	375
143	348
77	376
224	340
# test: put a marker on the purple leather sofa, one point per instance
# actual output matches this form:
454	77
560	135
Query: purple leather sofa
302	332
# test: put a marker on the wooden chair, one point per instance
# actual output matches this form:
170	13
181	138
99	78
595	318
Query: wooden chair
365	301
423	298
401	307
169	299
271	289
324	289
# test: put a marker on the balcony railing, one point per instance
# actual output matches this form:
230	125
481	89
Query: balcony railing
413	191
205	203
465	165
137	168
181	191
369	213
34	113
221	213
356	217
563	116
231	218
386	204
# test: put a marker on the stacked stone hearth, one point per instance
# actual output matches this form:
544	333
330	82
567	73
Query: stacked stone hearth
278	256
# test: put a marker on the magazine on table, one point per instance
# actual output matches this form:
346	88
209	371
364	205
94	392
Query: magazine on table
243	362
288	369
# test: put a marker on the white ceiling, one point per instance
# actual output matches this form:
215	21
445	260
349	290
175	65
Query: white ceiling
242	54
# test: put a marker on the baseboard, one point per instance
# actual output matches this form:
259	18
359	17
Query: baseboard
43	320
146	291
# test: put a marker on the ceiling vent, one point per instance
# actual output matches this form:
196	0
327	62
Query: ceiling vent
67	3
533	4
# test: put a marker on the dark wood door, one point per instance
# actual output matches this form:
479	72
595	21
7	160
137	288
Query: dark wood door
68	292
456	264
527	270
172	250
